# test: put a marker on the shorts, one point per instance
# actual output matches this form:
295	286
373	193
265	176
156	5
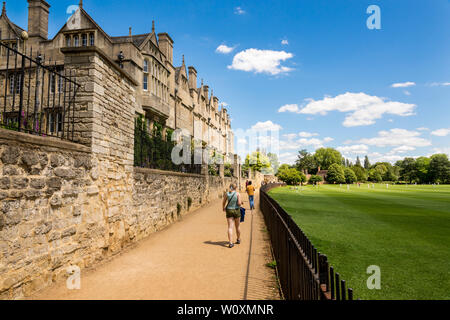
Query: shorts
234	213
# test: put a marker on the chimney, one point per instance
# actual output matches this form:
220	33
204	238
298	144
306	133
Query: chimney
38	11
166	46
192	78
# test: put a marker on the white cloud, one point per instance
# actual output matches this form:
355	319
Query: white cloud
441	132
224	104
224	49
284	42
440	84
239	11
396	138
357	149
423	129
401	150
403	85
288	157
442	150
289	108
266	126
261	61
407	93
307	134
361	109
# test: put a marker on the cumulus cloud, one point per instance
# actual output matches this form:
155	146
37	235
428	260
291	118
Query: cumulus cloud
441	132
224	49
261	61
307	134
423	129
401	150
288	157
403	84
361	109
285	42
289	108
239	11
442	150
354	149
396	138
266	126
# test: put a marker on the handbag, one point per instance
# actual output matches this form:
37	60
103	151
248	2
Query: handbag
242	214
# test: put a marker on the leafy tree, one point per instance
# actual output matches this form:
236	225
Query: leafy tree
273	159
366	163
291	176
358	162
306	162
350	176
407	169
326	157
375	175
422	169
315	179
439	168
360	173
336	174
257	161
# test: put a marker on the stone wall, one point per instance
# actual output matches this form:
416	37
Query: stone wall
60	208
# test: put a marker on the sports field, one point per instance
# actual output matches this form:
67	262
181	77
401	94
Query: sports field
405	230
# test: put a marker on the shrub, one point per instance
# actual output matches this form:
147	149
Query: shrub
350	176
315	179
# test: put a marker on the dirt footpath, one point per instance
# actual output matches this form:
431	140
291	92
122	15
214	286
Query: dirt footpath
189	260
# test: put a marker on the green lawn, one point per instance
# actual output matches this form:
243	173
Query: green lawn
405	230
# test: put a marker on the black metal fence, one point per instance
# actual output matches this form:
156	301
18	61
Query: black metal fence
155	151
36	96
304	273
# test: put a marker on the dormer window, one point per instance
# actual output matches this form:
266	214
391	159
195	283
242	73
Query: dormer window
68	41
76	41
91	40
84	40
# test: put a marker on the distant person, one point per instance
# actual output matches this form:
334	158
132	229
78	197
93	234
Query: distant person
251	195
246	184
232	206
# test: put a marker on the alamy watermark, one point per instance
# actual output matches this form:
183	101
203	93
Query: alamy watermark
374	20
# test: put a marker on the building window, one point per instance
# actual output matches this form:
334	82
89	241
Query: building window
76	41
55	121
14	83
145	65
145	84
91	40
84	40
68	41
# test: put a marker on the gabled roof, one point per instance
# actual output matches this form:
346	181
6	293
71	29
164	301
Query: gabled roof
15	28
89	18
180	72
138	40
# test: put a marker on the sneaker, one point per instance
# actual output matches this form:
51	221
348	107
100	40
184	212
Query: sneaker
231	245
238	242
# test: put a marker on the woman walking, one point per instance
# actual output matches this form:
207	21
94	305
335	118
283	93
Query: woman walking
232	206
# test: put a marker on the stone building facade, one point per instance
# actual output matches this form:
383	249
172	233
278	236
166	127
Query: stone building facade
165	93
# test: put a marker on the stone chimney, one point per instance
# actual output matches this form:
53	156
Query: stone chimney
192	78
166	46
38	11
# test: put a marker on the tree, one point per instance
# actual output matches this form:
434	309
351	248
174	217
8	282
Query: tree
273	159
315	179
291	176
375	175
407	169
326	157
360	173
439	169
336	174
422	169
350	176
358	162
366	163
257	161
306	162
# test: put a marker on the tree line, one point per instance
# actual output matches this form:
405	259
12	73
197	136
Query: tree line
422	170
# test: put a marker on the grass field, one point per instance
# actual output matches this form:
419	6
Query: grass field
405	230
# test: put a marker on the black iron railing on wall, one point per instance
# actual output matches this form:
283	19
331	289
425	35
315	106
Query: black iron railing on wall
154	151
36	96
304	273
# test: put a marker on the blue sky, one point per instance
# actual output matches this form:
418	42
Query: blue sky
384	92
